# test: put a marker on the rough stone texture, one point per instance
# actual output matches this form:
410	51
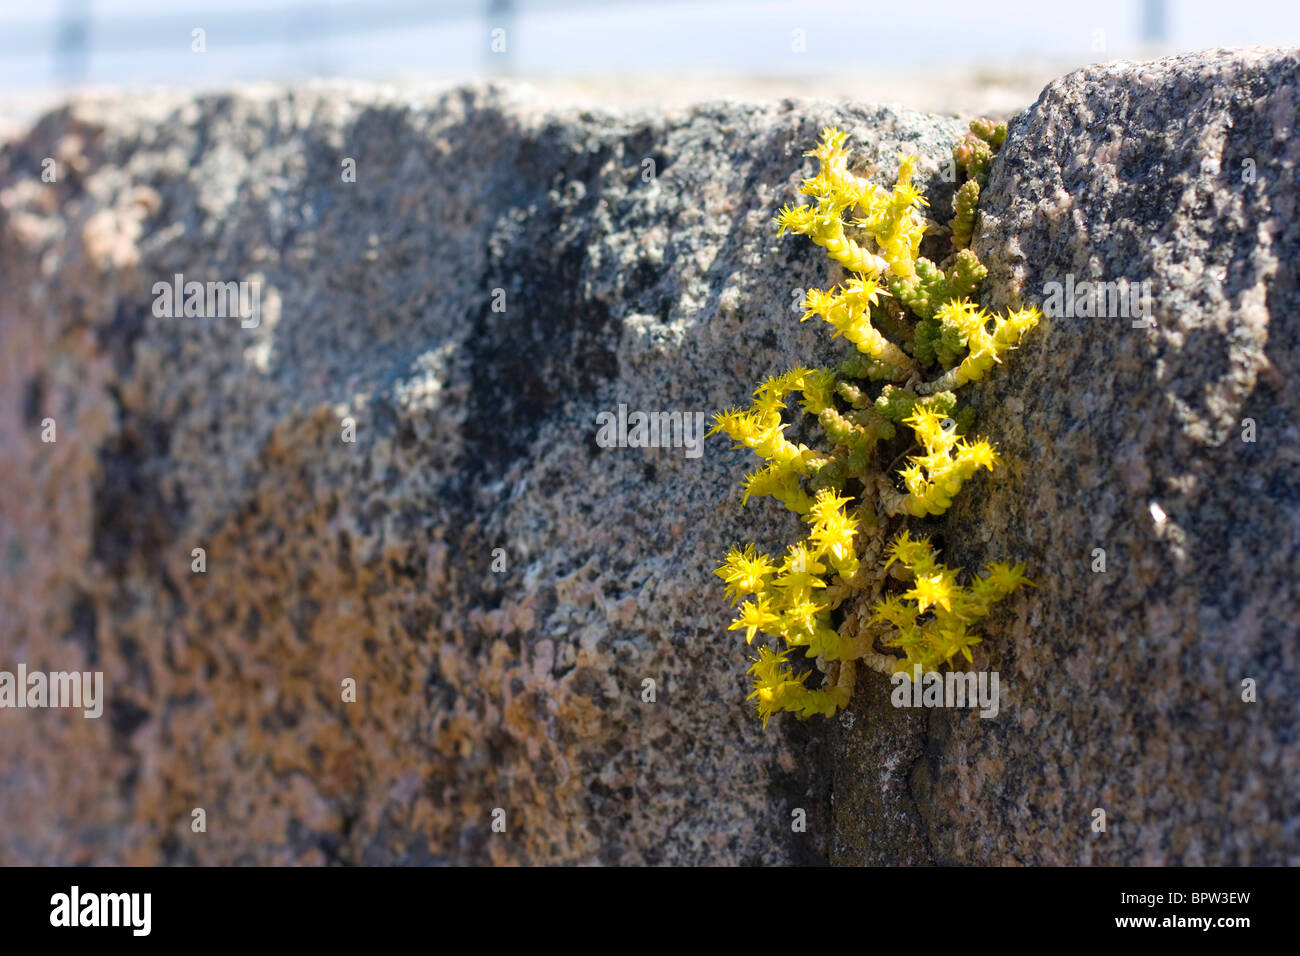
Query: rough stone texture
476	431
1123	690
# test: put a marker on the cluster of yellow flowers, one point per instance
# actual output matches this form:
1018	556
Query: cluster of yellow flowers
949	460
932	619
886	216
790	602
822	597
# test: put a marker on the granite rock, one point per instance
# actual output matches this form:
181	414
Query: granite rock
500	587
1163	441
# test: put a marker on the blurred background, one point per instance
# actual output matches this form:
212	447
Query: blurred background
942	55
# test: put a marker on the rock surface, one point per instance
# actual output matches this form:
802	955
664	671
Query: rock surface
1174	448
499	586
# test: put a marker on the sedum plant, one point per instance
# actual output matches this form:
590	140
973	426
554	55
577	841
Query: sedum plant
859	588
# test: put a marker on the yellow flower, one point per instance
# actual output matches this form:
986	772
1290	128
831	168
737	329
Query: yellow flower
933	590
1006	579
894	610
745	572
756	615
797	219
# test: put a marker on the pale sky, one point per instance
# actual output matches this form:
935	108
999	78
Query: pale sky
138	43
